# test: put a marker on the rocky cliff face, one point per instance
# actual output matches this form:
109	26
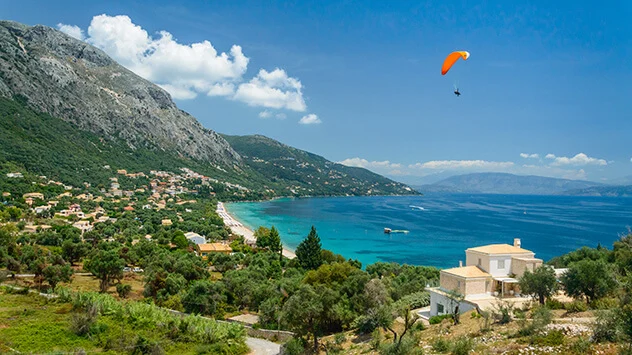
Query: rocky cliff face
79	83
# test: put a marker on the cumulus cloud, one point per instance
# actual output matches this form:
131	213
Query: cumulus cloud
187	70
462	164
529	156
265	114
183	70
363	163
578	160
273	89
550	156
310	119
268	114
72	31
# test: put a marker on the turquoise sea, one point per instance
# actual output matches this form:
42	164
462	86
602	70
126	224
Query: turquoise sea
441	227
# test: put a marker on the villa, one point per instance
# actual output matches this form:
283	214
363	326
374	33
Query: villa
211	248
490	271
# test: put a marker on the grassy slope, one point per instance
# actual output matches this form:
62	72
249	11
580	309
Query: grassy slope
309	171
30	323
42	144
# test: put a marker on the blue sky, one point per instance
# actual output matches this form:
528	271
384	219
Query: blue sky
545	78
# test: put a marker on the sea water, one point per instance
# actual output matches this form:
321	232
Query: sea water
442	226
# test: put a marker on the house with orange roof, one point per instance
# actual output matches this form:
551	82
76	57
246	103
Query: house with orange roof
490	271
211	248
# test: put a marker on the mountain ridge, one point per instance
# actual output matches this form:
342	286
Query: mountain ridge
72	80
68	109
505	183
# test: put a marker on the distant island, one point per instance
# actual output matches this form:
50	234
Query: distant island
504	183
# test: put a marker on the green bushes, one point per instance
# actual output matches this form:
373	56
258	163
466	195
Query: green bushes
576	307
462	345
554	304
439	318
146	316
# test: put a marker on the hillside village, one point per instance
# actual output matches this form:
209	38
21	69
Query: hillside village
162	200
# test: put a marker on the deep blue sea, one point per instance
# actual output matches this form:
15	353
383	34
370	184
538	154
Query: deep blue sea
445	227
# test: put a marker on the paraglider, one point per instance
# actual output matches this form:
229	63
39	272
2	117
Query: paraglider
449	62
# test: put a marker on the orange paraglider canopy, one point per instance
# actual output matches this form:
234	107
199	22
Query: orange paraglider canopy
452	58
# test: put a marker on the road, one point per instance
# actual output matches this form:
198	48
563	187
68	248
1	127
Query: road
262	347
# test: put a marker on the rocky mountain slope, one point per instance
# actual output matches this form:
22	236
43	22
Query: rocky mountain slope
79	83
67	110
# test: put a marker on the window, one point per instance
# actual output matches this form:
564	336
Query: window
479	262
439	308
501	264
458	284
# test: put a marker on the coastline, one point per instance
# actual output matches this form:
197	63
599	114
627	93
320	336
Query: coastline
239	228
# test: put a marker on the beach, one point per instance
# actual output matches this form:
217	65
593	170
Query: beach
238	228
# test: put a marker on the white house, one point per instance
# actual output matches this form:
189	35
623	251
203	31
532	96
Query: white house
195	238
490	271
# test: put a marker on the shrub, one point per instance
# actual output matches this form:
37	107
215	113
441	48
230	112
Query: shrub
552	338
581	346
123	290
81	322
487	320
462	346
541	317
294	346
552	303
340	338
408	346
439	318
376	339
441	345
604	303
606	327
576	307
502	312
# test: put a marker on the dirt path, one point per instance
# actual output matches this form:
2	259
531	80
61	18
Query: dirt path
262	347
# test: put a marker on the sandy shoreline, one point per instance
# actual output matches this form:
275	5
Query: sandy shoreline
238	228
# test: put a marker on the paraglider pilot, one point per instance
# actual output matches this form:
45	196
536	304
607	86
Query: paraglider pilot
456	92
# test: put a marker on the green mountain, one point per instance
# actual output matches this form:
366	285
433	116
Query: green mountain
503	183
305	173
67	110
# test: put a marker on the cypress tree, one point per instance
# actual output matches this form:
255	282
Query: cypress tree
309	251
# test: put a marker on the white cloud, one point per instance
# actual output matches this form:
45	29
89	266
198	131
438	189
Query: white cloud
550	156
529	156
630	160
310	119
72	31
183	70
187	70
462	164
265	114
273	89
578	160
221	89
268	114
363	163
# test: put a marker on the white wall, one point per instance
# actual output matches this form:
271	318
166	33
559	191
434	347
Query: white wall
493	265
436	299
